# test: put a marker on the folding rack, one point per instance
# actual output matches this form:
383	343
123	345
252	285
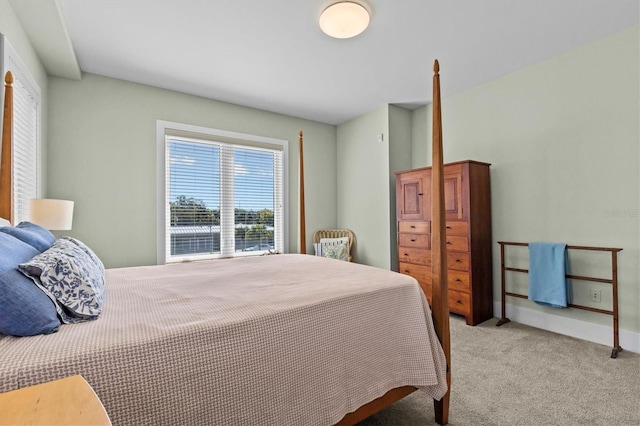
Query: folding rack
613	281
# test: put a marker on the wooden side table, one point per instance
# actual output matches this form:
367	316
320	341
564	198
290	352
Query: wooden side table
68	401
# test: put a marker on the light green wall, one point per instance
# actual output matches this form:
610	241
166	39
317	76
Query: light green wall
102	155
563	140
420	134
11	28
363	185
400	131
370	149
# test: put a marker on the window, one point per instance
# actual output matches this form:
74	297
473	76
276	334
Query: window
222	193
26	133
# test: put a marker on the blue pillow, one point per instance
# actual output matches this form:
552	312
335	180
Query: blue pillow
25	310
34	235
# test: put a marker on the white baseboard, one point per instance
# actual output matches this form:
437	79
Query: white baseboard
597	333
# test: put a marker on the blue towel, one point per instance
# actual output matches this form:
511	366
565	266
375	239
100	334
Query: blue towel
548	267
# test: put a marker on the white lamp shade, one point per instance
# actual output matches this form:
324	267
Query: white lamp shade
344	19
51	214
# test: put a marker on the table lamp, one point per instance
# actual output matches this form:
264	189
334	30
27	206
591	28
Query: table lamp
51	214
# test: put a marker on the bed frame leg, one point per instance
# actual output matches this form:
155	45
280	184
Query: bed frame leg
502	321
615	351
442	409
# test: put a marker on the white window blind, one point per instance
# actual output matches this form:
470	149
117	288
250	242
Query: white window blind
26	134
222	198
25	149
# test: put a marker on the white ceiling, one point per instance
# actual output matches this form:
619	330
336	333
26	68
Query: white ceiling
271	54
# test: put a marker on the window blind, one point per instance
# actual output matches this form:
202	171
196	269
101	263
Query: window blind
222	199
25	149
26	133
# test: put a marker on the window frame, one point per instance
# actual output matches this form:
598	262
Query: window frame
188	131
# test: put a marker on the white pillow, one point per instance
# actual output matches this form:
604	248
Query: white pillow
329	241
4	222
335	241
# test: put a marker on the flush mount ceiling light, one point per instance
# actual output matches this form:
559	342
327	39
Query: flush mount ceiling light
344	19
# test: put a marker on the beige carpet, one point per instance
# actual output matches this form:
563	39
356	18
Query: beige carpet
519	375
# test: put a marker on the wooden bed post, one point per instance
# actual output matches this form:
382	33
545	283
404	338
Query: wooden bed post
440	290
440	297
6	188
303	225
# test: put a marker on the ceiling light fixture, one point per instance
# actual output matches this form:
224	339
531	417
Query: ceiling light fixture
344	19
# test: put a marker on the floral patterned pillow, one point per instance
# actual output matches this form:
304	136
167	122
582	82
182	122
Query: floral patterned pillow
335	248
335	251
74	282
87	250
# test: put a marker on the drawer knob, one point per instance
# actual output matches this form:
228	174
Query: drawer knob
406	254
448	227
449	242
406	271
459	280
458	260
413	226
413	240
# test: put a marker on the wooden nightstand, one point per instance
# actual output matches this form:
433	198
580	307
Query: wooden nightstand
68	401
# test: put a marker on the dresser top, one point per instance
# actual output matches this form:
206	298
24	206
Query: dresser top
447	164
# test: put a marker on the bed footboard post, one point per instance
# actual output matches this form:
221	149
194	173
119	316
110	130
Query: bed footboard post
303	224
440	289
6	188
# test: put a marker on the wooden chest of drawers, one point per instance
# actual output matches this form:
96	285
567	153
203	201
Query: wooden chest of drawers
468	235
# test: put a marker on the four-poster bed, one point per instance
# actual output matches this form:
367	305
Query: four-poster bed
136	374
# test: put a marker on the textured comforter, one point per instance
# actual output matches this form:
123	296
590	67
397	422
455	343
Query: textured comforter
271	340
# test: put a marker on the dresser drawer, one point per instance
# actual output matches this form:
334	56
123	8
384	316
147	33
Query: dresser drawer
421	273
455	243
459	302
414	227
458	280
414	255
414	240
457	228
457	261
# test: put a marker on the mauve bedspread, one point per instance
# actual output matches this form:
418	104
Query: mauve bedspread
270	340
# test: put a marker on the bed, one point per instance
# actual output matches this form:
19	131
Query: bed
278	339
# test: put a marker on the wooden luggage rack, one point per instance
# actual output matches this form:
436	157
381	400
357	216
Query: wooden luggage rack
613	281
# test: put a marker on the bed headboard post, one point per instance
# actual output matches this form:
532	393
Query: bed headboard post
303	225
440	290
6	188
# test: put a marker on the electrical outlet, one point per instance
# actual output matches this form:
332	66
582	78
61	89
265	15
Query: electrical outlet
596	295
